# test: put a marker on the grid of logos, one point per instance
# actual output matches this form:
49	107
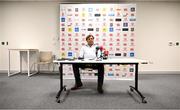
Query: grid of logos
113	26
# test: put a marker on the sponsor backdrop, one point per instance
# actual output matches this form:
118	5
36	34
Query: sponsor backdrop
112	25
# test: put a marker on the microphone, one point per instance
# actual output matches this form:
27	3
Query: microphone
106	53
101	48
97	48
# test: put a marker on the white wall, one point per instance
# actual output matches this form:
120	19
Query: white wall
36	25
157	24
28	25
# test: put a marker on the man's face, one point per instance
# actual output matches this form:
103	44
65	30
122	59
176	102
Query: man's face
90	40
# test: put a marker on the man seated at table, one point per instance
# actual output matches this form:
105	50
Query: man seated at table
88	52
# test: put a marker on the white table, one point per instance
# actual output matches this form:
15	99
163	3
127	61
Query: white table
107	61
28	51
134	61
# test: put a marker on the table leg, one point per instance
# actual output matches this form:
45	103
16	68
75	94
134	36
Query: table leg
9	62
28	63
20	68
61	84
136	85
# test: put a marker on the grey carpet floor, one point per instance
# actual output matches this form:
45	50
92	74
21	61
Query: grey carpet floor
39	92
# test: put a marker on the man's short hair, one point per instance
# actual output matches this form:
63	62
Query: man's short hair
89	37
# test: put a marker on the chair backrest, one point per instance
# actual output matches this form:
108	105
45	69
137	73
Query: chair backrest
45	56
